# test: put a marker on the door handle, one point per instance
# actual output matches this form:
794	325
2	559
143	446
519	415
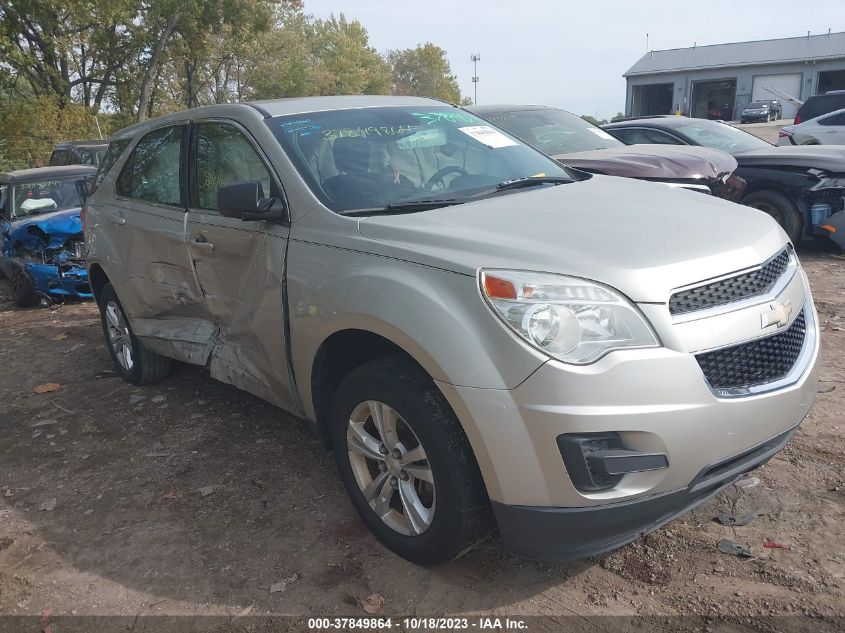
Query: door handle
116	219
202	243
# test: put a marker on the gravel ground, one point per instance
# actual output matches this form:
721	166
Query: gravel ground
103	509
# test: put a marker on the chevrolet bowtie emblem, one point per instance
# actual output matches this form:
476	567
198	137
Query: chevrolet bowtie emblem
777	314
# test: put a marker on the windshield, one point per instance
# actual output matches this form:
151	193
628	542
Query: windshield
369	158
759	104
554	131
720	136
44	196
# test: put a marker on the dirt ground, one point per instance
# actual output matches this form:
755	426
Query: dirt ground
766	131
101	509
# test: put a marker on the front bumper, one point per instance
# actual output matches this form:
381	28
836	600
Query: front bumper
573	533
656	401
754	118
59	282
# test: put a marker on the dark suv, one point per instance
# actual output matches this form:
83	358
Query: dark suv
78	153
818	105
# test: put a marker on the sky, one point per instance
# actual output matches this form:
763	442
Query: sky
566	54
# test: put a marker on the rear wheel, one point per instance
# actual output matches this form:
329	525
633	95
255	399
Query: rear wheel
781	208
23	289
136	364
406	463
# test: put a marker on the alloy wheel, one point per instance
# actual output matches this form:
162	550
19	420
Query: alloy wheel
119	337
391	468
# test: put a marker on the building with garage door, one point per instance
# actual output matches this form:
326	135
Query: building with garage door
718	81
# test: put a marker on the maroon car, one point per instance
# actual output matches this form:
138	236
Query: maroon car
571	140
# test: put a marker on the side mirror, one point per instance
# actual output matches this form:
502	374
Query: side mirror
245	200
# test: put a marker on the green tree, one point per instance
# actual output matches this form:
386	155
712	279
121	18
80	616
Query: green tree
344	61
70	49
193	24
281	62
591	119
617	117
424	71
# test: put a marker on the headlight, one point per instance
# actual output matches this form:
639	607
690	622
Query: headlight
570	319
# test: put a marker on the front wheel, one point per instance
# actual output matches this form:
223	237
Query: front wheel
135	363
406	463
24	294
781	208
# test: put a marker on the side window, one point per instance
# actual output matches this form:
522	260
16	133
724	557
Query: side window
622	134
108	160
656	136
224	156
153	172
58	157
836	119
641	136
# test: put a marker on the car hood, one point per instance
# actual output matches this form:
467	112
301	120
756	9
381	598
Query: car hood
827	158
654	162
639	237
47	230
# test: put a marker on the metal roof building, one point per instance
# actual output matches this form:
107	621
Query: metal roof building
718	81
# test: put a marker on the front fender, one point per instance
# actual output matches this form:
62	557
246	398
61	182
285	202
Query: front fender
435	316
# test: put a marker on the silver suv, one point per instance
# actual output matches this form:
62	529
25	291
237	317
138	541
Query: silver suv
478	332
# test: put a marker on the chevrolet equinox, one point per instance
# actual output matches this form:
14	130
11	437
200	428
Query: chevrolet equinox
479	333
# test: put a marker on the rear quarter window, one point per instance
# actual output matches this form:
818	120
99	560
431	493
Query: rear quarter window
107	161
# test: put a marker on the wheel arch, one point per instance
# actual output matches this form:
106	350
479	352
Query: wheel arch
97	278
338	355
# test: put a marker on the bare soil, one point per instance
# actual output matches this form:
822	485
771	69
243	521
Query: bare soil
101	509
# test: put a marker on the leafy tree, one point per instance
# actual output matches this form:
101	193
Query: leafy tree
29	129
591	119
619	116
303	56
70	49
64	61
424	71
194	23
284	62
345	63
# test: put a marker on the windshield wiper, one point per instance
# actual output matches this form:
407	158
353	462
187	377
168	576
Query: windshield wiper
436	203
521	183
401	207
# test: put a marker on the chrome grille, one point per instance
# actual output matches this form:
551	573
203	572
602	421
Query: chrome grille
746	285
756	362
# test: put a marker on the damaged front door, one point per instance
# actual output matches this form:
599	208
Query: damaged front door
239	265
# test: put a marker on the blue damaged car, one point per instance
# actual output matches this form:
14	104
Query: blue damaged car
41	244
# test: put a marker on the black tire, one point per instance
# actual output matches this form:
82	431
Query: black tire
781	208
462	514
23	289
146	366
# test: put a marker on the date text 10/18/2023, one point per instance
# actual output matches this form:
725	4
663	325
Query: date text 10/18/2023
419	623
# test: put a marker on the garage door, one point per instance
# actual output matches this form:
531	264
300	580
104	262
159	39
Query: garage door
789	84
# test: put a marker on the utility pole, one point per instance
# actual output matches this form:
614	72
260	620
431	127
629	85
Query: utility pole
475	58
